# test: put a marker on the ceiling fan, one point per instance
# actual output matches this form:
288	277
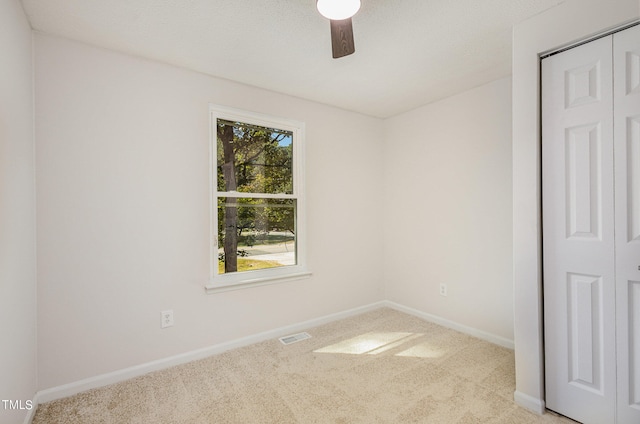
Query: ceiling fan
339	12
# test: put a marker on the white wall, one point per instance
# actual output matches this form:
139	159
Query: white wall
571	21
447	208
17	212
123	226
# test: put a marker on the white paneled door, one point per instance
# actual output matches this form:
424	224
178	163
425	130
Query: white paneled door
578	232
626	105
591	229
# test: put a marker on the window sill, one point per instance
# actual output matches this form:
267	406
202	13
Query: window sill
212	288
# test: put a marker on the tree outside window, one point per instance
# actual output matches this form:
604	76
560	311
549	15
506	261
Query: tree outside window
257	195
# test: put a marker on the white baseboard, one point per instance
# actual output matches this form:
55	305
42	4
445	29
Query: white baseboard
102	380
529	402
32	412
500	341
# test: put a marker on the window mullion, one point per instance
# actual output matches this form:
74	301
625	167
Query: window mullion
239	194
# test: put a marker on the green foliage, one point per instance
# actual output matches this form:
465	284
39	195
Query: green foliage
257	218
262	163
263	159
241	253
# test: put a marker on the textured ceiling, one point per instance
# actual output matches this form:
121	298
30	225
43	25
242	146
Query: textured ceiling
408	52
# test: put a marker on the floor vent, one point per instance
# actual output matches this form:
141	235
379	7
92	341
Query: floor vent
287	340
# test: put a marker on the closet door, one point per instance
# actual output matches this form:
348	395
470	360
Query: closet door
627	165
578	232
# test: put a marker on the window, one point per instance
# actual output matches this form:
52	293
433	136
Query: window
257	202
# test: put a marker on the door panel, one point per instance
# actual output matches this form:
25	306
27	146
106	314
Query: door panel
626	56
578	232
584	203
584	335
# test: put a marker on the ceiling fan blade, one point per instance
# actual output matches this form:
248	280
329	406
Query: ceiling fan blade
342	38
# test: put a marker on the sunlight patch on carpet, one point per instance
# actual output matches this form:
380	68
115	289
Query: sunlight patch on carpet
370	343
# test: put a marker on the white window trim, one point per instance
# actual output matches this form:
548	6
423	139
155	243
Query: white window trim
240	280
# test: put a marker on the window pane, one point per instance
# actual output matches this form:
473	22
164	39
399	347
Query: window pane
255	233
254	159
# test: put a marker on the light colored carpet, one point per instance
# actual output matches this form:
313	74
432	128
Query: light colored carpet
379	367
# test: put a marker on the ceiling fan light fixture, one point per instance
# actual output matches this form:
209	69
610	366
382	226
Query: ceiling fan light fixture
338	10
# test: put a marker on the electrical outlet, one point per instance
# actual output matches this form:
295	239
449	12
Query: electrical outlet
167	318
443	289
